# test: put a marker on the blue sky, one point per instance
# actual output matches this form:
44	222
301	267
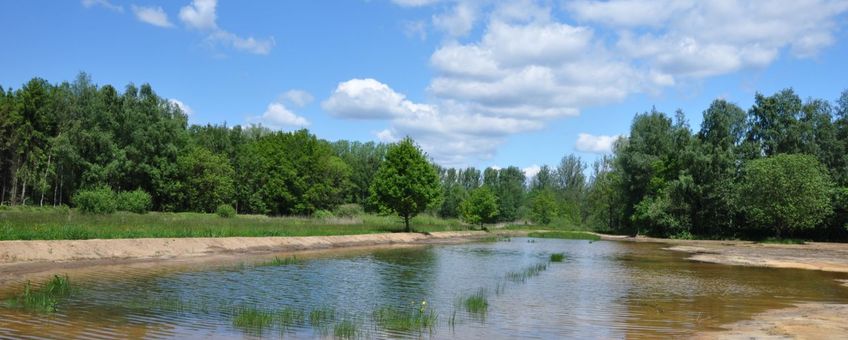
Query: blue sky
475	82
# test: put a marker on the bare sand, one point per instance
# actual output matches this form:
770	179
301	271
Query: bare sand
804	321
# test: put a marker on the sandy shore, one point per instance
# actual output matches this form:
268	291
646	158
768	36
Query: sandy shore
21	260
804	321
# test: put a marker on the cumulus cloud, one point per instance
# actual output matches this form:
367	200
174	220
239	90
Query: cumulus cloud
183	107
155	16
531	171
595	144
103	3
527	67
201	15
278	116
298	98
458	22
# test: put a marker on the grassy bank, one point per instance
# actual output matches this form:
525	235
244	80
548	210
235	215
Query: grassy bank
70	224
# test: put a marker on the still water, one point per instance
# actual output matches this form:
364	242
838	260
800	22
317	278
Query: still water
601	290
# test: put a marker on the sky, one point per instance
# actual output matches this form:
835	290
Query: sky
475	82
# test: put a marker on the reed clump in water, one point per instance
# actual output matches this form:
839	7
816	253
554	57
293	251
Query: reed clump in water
44	298
557	257
415	318
345	329
252	318
477	303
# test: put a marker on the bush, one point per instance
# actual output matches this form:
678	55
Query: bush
322	214
349	210
100	200
137	201
226	211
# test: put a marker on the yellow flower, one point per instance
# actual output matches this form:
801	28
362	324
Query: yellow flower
423	302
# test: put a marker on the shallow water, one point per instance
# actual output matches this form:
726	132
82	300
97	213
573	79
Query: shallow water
601	290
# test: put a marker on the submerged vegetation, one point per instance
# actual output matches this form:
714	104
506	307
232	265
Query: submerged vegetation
523	275
44	298
280	261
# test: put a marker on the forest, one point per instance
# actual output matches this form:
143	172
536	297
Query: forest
777	169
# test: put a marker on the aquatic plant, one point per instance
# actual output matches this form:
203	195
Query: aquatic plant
476	303
320	316
44	298
279	261
289	317
557	257
345	329
531	271
414	318
252	318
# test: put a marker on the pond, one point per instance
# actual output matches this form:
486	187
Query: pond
599	290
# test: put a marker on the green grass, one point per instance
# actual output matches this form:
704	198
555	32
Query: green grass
557	257
569	235
416	318
476	303
252	318
45	298
345	329
27	223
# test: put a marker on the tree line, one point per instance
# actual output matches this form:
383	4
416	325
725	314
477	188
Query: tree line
778	168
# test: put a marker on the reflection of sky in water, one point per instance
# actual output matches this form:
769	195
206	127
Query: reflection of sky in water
601	290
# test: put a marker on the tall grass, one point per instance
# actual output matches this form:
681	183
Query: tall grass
477	303
45	298
523	275
415	318
26	223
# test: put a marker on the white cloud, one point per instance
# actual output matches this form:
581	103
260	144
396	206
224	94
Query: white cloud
531	171
155	16
595	144
458	22
527	67
201	15
277	116
386	136
297	98
370	99
103	3
185	108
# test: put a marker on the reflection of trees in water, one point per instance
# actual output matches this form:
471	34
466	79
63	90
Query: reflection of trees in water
406	274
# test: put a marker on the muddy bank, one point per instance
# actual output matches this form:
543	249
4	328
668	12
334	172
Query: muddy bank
832	257
803	321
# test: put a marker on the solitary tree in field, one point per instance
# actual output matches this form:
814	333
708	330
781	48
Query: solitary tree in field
406	183
480	207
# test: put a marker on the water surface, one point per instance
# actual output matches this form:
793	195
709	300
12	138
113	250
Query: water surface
601	290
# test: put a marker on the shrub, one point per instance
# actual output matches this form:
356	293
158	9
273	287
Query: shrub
322	214
349	210
226	211
137	201
100	200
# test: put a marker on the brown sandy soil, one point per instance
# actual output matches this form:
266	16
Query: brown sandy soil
804	321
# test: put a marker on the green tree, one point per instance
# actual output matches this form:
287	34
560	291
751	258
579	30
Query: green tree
406	183
543	207
205	179
480	207
785	193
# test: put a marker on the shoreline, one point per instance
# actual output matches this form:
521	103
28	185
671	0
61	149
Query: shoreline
23	260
